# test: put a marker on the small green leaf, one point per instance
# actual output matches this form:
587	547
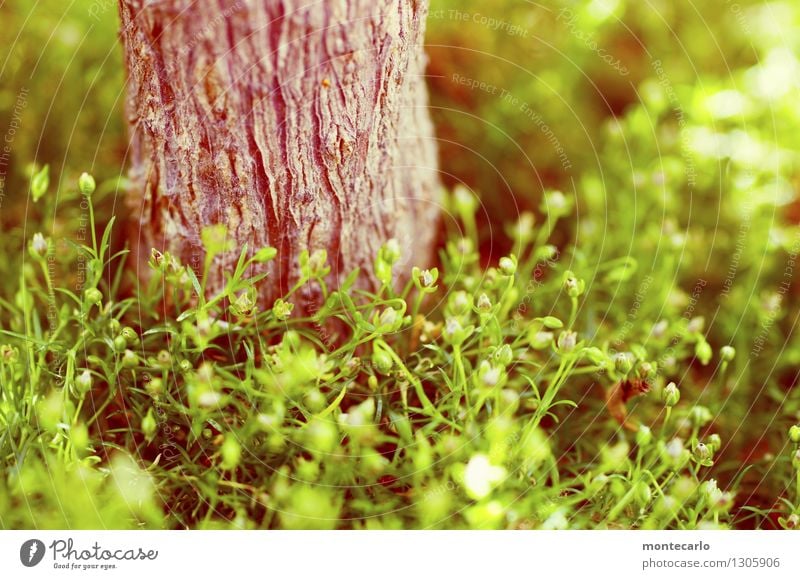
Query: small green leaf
40	182
550	322
334	405
195	282
622	272
265	254
350	280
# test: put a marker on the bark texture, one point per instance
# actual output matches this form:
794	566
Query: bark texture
299	124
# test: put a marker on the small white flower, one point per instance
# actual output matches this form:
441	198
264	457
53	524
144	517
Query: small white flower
388	317
209	399
39	245
555	522
481	476
660	329
491	376
675	449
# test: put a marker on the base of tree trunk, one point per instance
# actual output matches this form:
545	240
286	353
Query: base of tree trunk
298	126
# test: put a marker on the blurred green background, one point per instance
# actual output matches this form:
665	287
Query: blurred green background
636	110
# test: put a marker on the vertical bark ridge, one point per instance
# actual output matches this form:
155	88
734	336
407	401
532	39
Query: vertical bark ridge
300	126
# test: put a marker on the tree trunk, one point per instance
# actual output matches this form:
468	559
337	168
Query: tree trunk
298	125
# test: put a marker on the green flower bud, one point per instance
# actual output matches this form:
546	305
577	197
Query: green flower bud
391	251
794	434
244	305
83	382
555	204
504	355
702	452
660	329
547	252
129	334
572	285
464	201
700	416
39	246
715	442
696	325
484	304
425	279
454	333
670	395
282	310
120	344
86	184
644	436
522	230
508	265
164	359
459	303
676	453
796	460
185	366
642	493
723	503
154	387
382	361
703	352
550	322
727	353
314	400
149	425
646	371
567	341
231	453
596	356
265	254
129	359
40	182
93	296
710	490
623	362
541	340
372	382
157	260
389	320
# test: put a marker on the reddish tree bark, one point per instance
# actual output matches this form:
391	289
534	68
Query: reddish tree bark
298	124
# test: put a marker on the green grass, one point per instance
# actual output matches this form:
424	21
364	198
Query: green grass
522	387
471	398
